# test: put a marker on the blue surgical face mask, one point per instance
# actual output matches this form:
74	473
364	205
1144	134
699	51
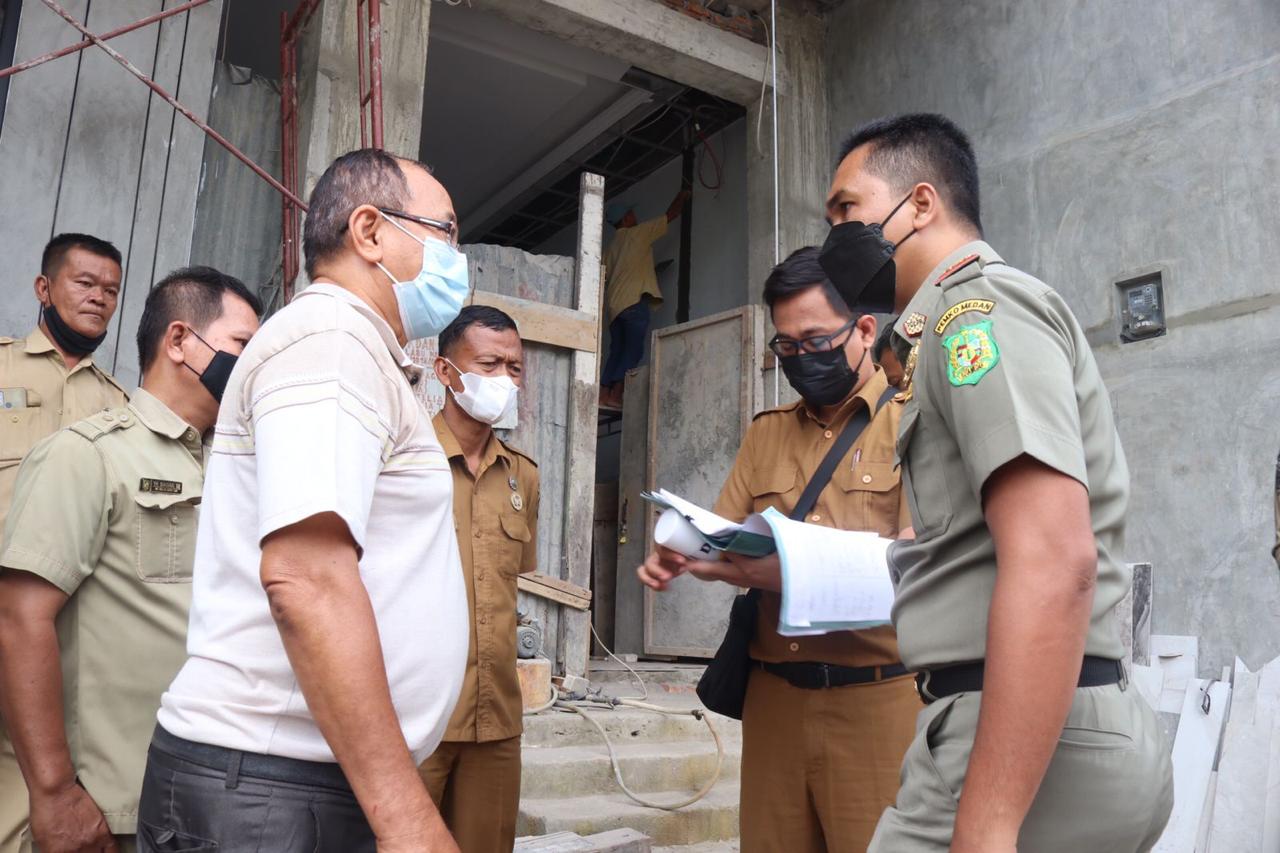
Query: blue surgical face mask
432	299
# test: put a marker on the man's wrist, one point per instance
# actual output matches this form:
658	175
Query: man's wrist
51	783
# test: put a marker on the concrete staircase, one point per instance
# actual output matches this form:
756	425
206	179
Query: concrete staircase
568	782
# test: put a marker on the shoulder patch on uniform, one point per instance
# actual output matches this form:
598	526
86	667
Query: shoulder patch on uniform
97	425
777	410
971	353
982	306
517	451
955	268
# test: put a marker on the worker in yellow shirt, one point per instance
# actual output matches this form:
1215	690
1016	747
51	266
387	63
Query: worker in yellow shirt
630	287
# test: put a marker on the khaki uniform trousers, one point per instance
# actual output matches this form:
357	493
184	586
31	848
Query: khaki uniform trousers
14	806
819	766
1108	789
476	787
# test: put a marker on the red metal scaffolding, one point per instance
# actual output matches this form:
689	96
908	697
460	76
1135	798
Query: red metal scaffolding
369	46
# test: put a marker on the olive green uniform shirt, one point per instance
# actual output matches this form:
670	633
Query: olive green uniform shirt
1001	369
495	514
55	398
106	511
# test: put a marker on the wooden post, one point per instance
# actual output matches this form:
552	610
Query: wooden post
575	630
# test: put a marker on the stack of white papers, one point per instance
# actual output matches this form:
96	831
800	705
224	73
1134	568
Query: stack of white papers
832	580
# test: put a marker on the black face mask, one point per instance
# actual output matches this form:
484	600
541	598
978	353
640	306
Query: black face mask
215	376
859	262
821	378
68	339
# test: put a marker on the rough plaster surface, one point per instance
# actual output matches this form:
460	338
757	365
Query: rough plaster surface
1116	139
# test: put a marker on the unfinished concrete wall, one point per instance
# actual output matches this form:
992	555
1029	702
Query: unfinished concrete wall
86	147
237	225
1117	138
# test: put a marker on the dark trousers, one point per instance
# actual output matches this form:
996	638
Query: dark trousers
198	798
627	335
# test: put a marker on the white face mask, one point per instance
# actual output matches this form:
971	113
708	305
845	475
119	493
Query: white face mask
488	399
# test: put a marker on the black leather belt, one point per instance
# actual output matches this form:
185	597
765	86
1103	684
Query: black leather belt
934	684
817	676
235	763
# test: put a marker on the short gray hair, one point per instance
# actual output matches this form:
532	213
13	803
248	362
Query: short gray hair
363	176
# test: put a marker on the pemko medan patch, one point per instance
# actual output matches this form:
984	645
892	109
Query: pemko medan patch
971	353
982	306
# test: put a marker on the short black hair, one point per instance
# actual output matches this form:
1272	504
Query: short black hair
882	340
484	316
922	148
192	295
363	176
55	251
799	272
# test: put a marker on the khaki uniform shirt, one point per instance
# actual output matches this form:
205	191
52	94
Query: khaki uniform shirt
1001	369
55	396
629	268
106	511
495	514
779	454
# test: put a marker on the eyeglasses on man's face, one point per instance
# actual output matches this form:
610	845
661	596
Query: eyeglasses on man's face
449	228
783	346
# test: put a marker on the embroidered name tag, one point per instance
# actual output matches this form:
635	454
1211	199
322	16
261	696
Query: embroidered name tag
982	306
162	487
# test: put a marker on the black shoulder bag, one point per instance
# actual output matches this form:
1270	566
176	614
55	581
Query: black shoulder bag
723	686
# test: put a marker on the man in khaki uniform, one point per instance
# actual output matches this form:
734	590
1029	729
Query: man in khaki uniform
827	718
1018	491
95	570
48	380
474	774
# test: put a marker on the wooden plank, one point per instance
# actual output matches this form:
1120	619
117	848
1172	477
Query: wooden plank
704	389
583	417
552	593
633	467
604	563
545	324
32	145
558	584
1199	734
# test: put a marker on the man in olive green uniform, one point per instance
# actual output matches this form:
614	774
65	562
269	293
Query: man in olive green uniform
474	775
826	718
1018	490
95	570
48	380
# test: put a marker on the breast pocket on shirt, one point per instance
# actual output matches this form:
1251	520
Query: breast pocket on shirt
774	486
165	540
922	475
871	497
19	430
515	535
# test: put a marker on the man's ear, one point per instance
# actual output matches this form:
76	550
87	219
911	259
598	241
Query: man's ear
927	203
364	226
42	285
171	344
867	328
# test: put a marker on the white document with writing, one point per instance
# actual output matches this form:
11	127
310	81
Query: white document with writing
832	580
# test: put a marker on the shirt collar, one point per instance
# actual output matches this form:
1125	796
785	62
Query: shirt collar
162	420
383	328
962	264
38	343
453	450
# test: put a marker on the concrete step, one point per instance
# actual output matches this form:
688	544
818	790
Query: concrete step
713	818
612	675
703	847
557	728
572	771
